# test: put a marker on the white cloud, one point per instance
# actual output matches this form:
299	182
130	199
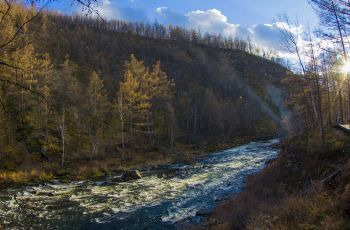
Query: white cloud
161	10
211	21
107	10
266	36
167	16
113	10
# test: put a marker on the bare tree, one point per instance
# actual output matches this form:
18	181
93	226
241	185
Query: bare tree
332	17
335	18
314	71
290	41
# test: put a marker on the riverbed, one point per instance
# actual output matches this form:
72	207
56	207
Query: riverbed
163	197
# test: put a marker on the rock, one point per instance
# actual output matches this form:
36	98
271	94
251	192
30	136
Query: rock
161	175
41	193
203	213
131	175
101	183
167	173
32	191
117	179
29	206
207	166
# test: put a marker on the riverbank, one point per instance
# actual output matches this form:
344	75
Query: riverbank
306	187
37	170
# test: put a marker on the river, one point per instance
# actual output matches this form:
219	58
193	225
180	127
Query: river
157	201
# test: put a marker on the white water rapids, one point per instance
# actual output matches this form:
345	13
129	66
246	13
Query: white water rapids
148	203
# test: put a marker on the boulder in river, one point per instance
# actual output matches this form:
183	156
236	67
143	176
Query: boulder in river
161	175
131	175
101	183
168	173
28	206
42	193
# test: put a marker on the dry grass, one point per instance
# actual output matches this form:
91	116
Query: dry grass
287	195
18	167
25	176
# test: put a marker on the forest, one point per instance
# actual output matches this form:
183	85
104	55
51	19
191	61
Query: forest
117	89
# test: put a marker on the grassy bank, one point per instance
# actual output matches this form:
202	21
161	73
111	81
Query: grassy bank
34	168
306	187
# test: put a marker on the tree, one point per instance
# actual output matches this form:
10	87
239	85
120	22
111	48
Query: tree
134	101
291	40
143	95
66	96
335	18
159	89
315	72
16	35
333	15
98	106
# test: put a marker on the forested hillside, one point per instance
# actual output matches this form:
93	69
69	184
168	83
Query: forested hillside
82	89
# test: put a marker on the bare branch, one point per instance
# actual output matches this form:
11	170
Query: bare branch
291	41
25	23
25	88
7	10
87	4
9	65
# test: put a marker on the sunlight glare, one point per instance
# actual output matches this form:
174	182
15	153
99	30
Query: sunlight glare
345	68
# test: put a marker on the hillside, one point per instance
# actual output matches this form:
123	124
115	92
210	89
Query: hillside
202	74
213	98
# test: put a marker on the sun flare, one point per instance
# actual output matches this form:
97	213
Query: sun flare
345	68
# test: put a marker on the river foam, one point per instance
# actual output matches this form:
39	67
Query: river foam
150	202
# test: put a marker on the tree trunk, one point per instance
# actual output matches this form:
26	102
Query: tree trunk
63	137
93	147
172	138
121	114
319	95
329	101
341	107
348	99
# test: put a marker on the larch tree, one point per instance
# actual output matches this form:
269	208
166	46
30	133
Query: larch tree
98	106
159	89
132	90
66	97
143	97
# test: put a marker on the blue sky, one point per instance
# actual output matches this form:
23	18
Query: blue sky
256	19
243	12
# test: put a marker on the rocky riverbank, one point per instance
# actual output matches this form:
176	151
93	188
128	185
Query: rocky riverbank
306	187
